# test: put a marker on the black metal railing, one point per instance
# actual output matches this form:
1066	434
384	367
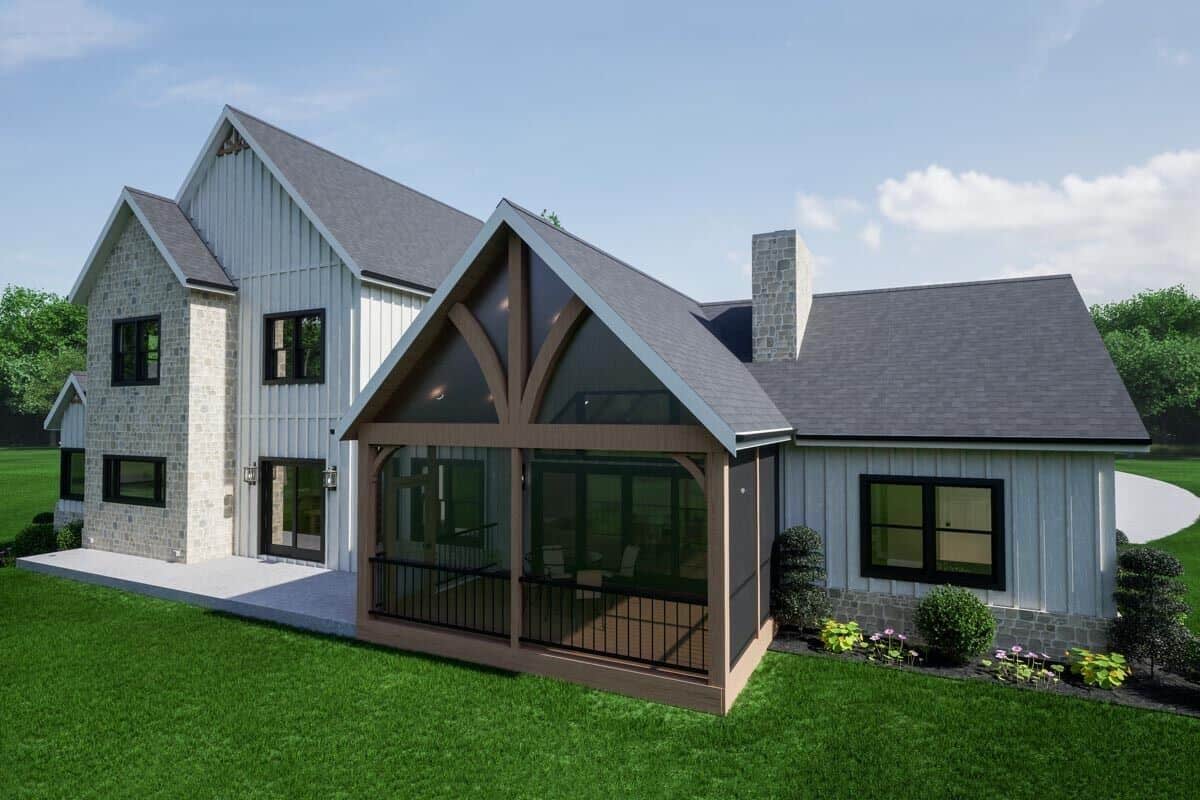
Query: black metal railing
474	548
661	628
469	599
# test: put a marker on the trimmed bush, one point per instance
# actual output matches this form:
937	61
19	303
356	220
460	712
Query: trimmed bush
796	598
955	623
70	536
34	540
1122	539
44	518
1150	598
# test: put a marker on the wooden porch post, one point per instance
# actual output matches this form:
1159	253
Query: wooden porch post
368	491
718	567
518	355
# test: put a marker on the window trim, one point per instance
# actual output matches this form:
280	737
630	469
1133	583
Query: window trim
266	547
64	472
268	351
109	483
929	572
137	363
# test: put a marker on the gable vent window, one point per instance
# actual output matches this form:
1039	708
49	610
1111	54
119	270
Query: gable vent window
135	351
234	143
295	347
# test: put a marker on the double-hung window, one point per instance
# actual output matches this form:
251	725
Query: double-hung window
933	530
135	351
294	347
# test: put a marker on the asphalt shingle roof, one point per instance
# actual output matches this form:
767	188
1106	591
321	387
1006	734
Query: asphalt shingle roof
390	230
1006	360
674	326
175	231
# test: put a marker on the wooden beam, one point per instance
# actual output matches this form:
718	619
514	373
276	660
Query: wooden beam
518	325
485	354
516	548
560	332
368	487
718	566
692	467
628	438
382	456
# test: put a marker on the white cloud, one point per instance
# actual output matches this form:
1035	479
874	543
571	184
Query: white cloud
822	213
55	30
1173	56
871	235
1134	228
158	85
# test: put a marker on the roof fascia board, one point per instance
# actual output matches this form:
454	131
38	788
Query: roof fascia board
202	286
986	444
752	443
646	354
437	299
53	421
83	284
373	279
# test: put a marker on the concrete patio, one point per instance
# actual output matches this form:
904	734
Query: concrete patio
290	594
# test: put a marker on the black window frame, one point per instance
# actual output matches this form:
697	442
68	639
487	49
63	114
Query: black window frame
110	484
64	472
297	350
929	573
266	547
141	360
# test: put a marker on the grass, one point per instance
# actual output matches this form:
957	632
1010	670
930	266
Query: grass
114	694
30	486
1184	544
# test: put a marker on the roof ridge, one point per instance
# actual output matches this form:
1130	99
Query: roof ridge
144	193
951	285
601	251
352	162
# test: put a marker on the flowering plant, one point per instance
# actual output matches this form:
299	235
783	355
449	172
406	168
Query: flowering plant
1018	665
840	637
890	647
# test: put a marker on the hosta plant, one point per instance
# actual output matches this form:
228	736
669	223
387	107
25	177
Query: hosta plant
1018	665
840	637
890	647
1104	670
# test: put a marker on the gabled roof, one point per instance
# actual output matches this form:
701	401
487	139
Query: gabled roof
74	386
380	228
1005	361
665	329
172	233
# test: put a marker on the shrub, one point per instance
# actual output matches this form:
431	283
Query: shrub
33	540
43	518
955	623
1149	597
796	598
840	637
70	536
1106	671
1122	539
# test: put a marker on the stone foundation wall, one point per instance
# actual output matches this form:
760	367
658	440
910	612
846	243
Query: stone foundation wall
1037	630
66	511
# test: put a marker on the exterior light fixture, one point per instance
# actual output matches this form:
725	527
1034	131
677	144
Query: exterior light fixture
250	473
440	396
329	478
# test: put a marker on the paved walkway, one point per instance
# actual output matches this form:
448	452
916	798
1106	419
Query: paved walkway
303	597
1148	509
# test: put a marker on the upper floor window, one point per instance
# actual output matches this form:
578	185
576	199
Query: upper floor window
933	530
295	347
135	352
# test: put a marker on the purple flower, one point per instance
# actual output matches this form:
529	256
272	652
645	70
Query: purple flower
1016	648
902	638
888	631
1046	656
875	637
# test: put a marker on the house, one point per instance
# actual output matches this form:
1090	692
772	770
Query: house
540	458
67	416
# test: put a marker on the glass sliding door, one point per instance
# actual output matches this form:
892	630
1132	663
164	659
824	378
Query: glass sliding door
293	509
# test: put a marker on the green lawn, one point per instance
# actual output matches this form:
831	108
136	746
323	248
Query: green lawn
111	694
30	485
1185	544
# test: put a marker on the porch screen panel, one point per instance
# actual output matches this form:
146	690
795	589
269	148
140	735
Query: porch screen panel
768	517
489	303
446	386
547	296
599	380
743	555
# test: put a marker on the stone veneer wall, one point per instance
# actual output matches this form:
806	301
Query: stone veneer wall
1038	630
67	511
187	418
137	420
781	286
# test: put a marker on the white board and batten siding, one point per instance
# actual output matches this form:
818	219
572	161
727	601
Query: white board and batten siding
281	263
1059	538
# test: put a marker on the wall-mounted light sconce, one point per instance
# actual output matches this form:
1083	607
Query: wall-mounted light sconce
250	473
329	478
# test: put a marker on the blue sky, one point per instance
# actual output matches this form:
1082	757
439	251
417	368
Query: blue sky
909	142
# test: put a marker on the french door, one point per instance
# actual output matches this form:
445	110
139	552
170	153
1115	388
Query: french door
292	507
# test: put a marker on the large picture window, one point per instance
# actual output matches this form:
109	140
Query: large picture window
135	351
933	530
295	347
70	473
135	480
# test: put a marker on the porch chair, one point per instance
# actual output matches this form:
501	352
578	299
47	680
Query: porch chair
554	563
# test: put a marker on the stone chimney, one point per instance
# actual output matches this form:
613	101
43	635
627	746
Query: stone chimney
781	274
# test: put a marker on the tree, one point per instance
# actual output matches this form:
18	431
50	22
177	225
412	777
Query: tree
42	338
1154	341
797	599
552	218
1150	596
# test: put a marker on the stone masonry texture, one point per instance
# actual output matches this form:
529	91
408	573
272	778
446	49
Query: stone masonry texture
186	418
774	287
1038	630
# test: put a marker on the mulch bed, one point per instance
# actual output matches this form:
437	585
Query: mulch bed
1163	692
